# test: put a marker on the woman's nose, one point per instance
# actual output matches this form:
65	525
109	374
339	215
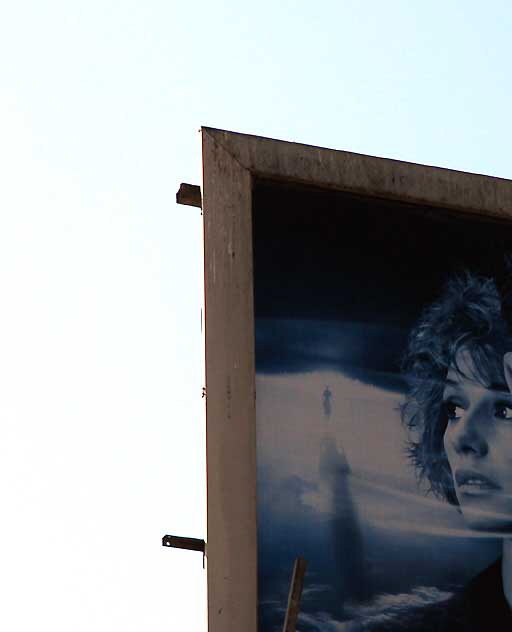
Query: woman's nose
469	436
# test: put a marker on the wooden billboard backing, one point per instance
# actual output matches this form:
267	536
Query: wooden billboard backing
231	162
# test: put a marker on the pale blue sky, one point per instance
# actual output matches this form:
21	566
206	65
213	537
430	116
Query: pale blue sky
100	271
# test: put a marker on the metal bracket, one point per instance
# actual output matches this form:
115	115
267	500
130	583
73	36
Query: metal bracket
189	194
191	544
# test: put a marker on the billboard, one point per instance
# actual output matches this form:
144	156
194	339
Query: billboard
358	412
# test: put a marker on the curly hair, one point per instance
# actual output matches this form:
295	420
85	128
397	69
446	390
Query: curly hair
467	315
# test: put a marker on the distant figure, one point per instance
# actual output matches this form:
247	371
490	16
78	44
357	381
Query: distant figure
326	401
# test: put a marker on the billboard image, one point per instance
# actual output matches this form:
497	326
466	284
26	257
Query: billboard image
358	326
383	415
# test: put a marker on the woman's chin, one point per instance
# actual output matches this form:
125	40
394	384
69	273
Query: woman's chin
487	519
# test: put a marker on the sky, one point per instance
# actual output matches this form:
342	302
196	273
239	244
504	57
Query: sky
101	349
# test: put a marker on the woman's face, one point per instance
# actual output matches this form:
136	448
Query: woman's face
478	444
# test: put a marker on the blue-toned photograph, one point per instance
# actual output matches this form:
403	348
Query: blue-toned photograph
384	413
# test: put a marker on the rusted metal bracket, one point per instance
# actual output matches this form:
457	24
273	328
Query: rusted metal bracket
292	611
191	544
189	194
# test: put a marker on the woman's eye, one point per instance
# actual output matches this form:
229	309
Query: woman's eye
503	411
452	411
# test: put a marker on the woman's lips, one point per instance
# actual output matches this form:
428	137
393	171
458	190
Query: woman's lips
472	483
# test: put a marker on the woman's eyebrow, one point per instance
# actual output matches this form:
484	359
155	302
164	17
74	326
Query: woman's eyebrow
498	387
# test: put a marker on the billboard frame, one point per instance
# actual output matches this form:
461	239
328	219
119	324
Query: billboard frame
231	164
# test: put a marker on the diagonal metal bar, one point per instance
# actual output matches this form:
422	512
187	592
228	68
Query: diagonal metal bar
293	608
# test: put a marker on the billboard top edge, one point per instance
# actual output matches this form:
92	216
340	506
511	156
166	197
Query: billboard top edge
231	139
358	173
